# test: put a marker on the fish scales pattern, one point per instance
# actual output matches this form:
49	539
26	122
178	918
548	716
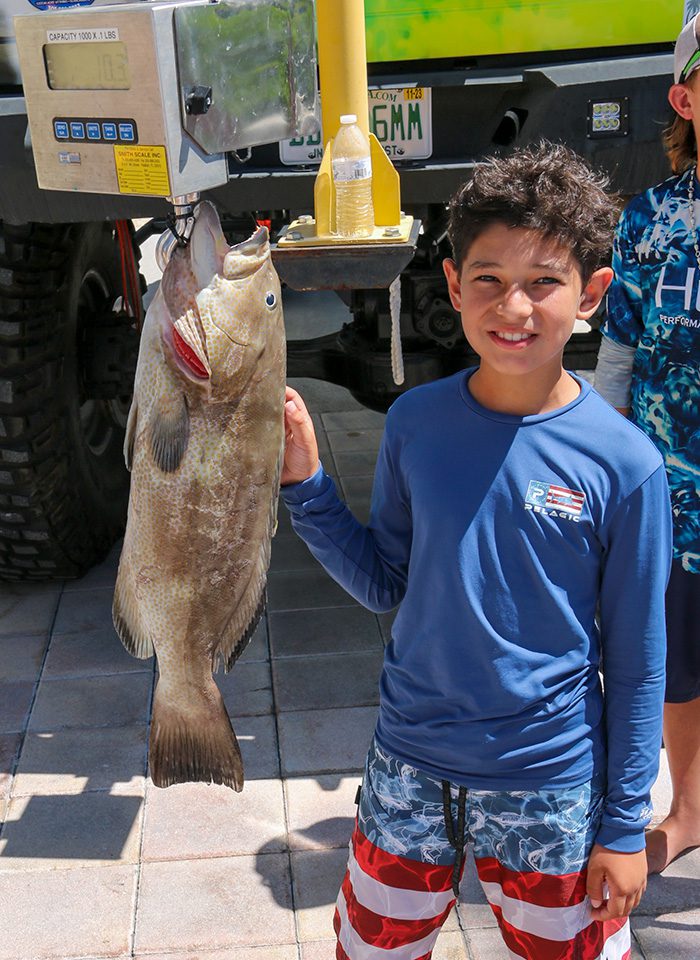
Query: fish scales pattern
205	460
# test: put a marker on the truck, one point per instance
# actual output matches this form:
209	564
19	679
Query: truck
449	84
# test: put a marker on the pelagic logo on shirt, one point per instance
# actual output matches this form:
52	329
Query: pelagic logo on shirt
554	501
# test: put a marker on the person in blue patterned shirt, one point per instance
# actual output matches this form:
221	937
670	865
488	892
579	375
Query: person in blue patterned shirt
648	369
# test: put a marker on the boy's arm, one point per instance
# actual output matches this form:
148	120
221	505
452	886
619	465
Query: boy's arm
624	321
637	542
637	562
370	563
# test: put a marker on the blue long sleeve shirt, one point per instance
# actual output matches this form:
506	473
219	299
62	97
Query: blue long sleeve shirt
500	537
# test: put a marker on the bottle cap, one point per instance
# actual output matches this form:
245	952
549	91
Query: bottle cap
348	118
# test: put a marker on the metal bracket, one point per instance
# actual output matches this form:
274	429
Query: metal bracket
180	225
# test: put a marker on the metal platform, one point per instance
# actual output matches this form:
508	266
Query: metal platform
355	266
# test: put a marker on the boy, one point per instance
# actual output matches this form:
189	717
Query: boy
509	501
648	368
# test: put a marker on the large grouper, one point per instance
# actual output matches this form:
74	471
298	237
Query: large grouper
204	442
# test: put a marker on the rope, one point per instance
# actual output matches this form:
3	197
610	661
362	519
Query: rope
397	370
131	289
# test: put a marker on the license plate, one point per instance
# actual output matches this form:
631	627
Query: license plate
399	117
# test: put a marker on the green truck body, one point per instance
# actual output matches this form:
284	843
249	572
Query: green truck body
435	29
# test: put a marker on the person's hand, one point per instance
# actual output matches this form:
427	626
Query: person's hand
616	882
300	447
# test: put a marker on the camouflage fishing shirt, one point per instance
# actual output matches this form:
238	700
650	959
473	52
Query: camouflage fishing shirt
654	306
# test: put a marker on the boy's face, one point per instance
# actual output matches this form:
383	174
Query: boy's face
519	294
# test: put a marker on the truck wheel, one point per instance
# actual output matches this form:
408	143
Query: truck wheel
67	356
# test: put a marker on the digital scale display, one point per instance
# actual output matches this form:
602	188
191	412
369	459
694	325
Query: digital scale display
87	66
106	89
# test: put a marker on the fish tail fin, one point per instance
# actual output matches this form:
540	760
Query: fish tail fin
195	743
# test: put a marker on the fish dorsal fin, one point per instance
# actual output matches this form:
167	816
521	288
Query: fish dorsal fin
169	431
130	435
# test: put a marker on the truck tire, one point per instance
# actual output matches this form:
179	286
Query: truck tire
63	482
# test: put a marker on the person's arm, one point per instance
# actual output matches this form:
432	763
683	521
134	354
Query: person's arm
637	543
624	321
613	373
370	563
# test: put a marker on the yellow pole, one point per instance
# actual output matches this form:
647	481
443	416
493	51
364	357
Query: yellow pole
342	63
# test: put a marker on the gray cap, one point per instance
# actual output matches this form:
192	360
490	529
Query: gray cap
686	56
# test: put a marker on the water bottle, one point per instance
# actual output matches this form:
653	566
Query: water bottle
352	176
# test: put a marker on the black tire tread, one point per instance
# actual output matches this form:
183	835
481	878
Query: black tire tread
44	533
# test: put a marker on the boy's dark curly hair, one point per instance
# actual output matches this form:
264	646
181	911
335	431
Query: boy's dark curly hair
544	187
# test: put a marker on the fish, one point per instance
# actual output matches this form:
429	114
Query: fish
204	444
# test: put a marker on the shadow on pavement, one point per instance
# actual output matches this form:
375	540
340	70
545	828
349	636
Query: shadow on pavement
91	826
317	871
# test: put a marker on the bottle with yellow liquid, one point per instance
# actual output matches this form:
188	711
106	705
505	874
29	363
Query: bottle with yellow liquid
352	176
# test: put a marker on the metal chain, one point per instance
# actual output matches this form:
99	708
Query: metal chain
693	225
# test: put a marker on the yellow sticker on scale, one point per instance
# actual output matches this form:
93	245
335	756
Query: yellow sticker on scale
142	169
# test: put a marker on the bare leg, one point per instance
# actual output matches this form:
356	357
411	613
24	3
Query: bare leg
681	828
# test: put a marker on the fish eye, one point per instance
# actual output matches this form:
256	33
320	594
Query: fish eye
270	300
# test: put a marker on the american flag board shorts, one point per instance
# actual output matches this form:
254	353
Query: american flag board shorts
531	849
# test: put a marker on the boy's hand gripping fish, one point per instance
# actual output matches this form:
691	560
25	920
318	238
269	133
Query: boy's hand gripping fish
204	442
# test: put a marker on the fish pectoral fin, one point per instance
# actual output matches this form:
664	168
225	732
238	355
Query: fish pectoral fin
130	435
169	431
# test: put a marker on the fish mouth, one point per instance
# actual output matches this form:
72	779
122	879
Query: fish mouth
246	257
189	349
254	243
